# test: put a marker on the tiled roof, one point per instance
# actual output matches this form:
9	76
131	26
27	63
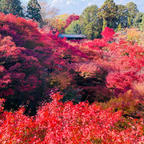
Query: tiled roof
72	36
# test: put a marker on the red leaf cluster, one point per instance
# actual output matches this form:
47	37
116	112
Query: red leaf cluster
67	123
28	58
70	19
34	65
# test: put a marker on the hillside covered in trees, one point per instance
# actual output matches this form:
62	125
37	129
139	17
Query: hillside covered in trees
90	22
93	19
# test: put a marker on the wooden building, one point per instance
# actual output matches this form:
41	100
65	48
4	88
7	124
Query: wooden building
72	36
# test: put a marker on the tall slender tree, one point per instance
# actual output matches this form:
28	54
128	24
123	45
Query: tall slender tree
11	6
33	10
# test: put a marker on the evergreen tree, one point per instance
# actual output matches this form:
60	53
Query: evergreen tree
142	24
138	19
132	12
129	21
122	16
33	11
108	13
132	8
11	6
119	27
91	25
104	24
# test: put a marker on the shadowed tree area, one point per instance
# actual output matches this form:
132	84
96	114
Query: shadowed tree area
11	6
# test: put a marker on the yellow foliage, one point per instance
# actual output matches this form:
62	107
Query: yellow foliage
132	35
62	80
139	88
60	21
127	103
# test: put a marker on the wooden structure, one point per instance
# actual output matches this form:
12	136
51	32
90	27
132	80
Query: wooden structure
72	36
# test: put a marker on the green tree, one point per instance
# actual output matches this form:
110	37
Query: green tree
33	11
132	8
129	21
108	13
104	23
122	16
132	12
11	6
90	24
73	28
142	24
138	19
119	27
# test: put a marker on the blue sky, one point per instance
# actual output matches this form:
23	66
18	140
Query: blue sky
77	6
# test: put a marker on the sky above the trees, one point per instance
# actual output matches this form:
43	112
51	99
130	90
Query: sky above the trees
77	6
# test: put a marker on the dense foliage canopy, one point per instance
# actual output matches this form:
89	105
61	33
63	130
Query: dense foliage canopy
11	6
58	91
93	19
33	11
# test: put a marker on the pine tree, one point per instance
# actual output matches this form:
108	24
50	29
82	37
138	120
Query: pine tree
11	6
33	11
90	24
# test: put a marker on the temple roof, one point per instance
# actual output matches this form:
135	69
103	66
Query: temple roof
72	36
